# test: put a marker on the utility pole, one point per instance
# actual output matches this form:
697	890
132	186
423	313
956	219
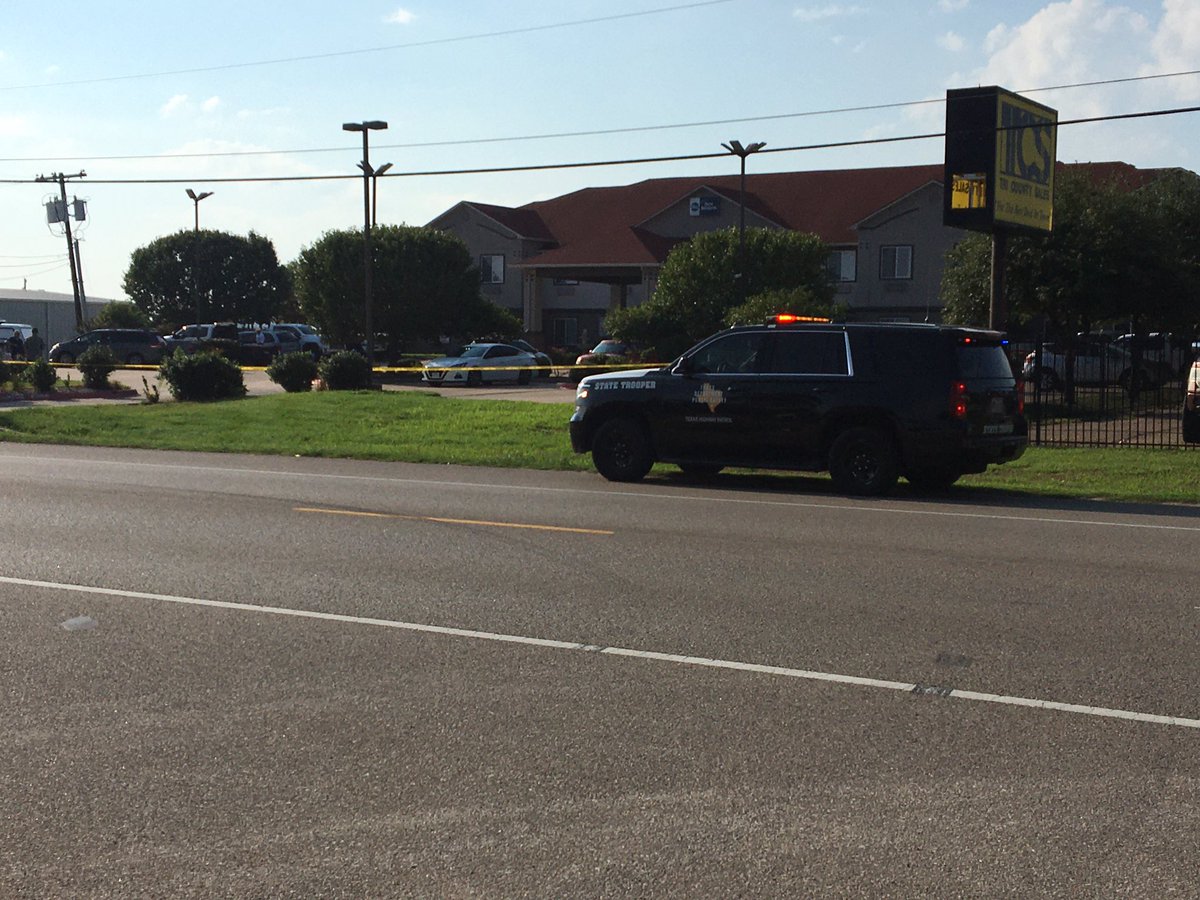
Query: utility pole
76	285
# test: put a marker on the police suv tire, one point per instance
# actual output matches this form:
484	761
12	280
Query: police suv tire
863	462
621	450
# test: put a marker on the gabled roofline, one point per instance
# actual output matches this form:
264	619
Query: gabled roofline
898	200
712	190
474	208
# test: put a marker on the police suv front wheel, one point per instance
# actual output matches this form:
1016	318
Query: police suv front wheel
621	450
863	461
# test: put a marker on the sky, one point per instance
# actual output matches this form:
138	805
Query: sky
152	99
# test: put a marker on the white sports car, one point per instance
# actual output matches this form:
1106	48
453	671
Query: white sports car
478	363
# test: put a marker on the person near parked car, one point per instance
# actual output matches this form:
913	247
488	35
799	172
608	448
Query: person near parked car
35	347
16	346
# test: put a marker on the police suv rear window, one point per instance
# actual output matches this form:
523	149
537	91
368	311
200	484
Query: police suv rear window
810	353
982	359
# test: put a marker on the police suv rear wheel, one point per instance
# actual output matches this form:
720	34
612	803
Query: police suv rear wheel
621	450
863	462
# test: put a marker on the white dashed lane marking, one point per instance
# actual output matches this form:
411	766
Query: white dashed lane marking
649	655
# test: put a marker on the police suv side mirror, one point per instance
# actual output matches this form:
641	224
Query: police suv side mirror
683	366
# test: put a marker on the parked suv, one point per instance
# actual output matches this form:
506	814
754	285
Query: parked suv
867	402
310	340
133	346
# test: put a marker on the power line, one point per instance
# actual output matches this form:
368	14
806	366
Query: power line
529	29
598	163
599	132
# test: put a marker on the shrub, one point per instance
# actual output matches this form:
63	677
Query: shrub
294	372
41	375
345	370
202	376
96	363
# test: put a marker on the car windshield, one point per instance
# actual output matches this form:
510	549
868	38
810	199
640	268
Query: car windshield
609	347
473	351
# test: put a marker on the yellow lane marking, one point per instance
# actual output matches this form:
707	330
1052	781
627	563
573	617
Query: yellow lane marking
446	521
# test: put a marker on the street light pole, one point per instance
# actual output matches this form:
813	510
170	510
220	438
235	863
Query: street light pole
196	198
366	128
736	148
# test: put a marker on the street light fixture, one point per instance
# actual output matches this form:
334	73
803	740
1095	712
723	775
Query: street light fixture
196	198
375	191
736	148
366	128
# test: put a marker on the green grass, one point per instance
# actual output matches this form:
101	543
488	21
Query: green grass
417	427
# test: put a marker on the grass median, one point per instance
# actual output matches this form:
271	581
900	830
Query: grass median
425	428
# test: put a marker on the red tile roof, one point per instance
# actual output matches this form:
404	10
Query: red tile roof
599	226
602	226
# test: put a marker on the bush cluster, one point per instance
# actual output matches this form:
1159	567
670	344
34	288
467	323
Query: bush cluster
294	372
202	376
41	375
96	363
345	370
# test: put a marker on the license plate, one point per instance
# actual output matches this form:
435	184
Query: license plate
998	428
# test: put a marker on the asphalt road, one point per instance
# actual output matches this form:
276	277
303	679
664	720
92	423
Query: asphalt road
259	677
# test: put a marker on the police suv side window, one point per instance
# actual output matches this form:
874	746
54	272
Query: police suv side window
810	353
734	354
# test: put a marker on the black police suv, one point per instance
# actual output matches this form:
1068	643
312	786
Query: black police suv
866	402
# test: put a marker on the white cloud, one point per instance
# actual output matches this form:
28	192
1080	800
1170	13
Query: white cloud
211	104
173	105
950	6
831	11
400	17
1176	46
1066	43
952	42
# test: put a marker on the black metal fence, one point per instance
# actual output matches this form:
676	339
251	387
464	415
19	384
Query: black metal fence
1097	392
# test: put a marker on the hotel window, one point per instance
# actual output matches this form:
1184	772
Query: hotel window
895	262
843	265
491	268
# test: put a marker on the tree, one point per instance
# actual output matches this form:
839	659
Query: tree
207	276
697	287
119	314
424	285
1115	255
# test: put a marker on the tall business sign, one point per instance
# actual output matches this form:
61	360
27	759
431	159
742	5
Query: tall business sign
999	172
